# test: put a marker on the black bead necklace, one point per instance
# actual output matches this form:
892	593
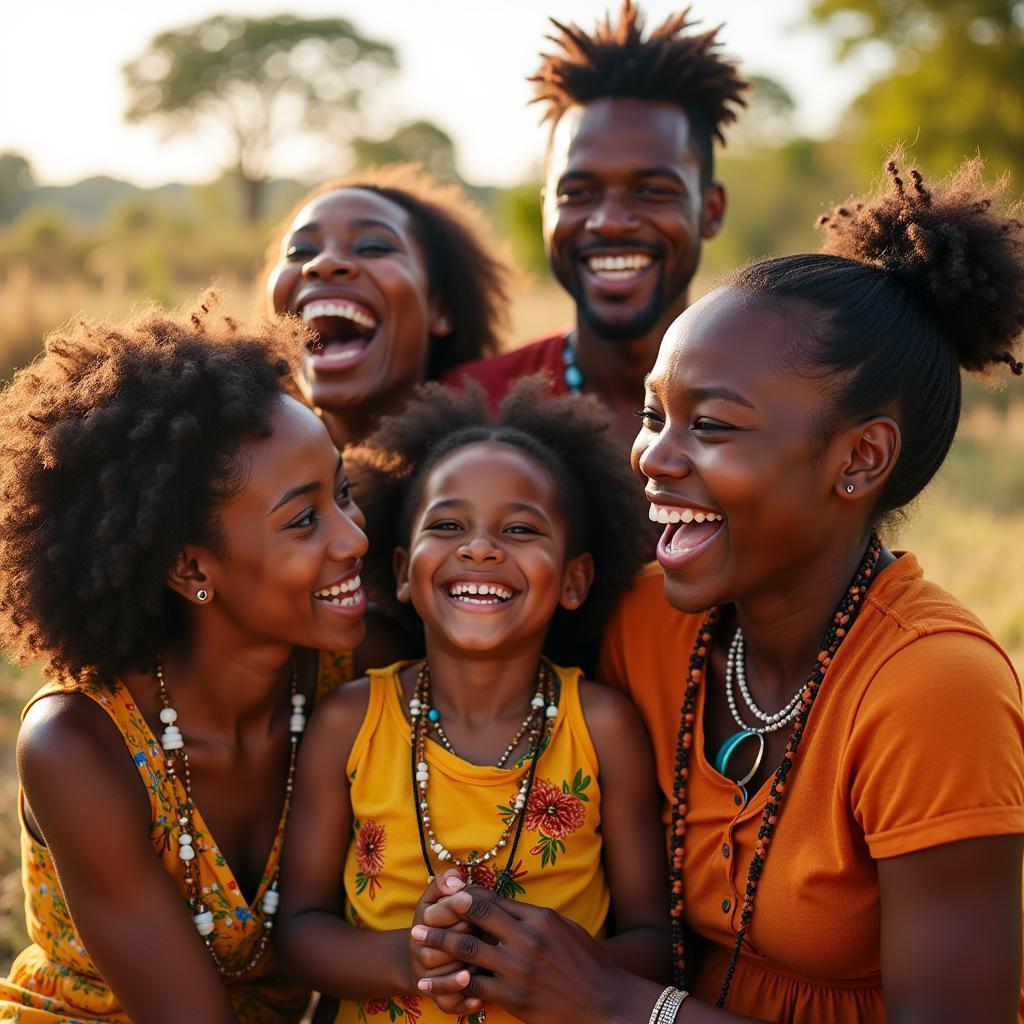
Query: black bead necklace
843	619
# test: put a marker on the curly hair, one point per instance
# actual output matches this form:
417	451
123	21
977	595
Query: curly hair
568	436
667	66
117	446
912	285
464	270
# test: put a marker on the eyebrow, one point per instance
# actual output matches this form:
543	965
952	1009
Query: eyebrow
362	222
512	506
701	394
659	171
301	489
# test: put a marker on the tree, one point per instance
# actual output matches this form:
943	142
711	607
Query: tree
15	181
261	80
956	84
419	141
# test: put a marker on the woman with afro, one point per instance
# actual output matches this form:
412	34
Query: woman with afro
176	534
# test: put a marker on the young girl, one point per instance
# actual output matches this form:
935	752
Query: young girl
484	756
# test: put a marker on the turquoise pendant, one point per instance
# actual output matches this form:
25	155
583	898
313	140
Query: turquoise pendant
730	746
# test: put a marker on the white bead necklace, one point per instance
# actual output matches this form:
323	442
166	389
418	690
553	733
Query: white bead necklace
424	718
734	667
174	748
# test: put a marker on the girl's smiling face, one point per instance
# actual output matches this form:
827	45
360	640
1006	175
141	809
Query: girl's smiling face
352	267
487	561
730	456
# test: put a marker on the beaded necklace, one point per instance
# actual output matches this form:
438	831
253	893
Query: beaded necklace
842	620
572	375
539	723
174	748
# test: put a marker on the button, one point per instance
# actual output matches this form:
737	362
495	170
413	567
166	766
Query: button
726	906
738	800
725	850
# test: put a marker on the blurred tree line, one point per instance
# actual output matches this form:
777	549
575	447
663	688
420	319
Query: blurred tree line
954	85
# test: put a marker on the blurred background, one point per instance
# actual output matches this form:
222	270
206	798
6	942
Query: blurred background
146	150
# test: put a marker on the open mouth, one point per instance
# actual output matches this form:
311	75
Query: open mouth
619	268
478	594
344	594
686	528
345	330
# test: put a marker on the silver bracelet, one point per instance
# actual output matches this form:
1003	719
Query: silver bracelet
670	1008
667	1006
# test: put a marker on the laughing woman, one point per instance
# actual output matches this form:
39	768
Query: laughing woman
175	532
840	743
395	276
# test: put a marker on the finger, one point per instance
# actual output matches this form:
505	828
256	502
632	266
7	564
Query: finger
462	946
432	959
493	914
458	1006
442	915
442	885
462	988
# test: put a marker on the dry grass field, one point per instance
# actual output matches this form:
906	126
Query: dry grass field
966	528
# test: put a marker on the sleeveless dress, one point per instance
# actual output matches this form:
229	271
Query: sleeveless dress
557	863
54	981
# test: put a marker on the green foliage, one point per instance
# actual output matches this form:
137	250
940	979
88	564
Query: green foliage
15	181
420	142
956	86
518	219
261	80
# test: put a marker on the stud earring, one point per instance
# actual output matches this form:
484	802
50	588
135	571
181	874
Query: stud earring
201	594
849	488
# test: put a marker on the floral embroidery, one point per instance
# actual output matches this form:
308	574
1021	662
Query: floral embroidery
371	839
552	812
395	1007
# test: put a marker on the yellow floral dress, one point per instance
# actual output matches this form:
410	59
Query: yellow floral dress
557	863
54	980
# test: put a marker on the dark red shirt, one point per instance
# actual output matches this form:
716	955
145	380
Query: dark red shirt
498	373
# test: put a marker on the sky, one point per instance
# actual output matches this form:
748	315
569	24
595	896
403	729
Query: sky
463	65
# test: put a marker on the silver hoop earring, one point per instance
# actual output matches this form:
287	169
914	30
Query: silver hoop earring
849	488
201	595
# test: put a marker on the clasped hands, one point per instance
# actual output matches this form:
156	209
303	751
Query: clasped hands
469	946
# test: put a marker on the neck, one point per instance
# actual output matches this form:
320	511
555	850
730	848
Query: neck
223	683
783	631
614	368
478	688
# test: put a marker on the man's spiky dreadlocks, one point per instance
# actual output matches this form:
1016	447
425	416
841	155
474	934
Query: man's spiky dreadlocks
667	66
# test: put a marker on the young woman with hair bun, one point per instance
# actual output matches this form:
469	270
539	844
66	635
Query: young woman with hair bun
840	743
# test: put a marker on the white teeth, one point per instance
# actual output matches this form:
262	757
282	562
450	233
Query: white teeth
336	589
467	591
665	514
345	310
632	263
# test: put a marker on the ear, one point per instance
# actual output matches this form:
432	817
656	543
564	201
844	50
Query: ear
869	453
712	210
440	319
577	577
189	577
400	563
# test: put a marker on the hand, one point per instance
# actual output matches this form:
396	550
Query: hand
546	969
424	961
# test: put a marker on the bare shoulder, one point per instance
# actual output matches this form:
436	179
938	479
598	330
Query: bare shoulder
70	750
337	719
609	713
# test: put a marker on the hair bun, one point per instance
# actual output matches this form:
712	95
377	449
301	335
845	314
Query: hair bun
950	246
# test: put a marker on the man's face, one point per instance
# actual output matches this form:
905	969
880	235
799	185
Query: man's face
624	213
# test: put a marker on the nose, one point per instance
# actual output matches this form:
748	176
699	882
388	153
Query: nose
327	265
480	549
612	217
347	539
660	457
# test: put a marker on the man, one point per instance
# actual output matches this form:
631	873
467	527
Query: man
629	196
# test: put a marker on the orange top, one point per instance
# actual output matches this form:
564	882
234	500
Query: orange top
916	739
